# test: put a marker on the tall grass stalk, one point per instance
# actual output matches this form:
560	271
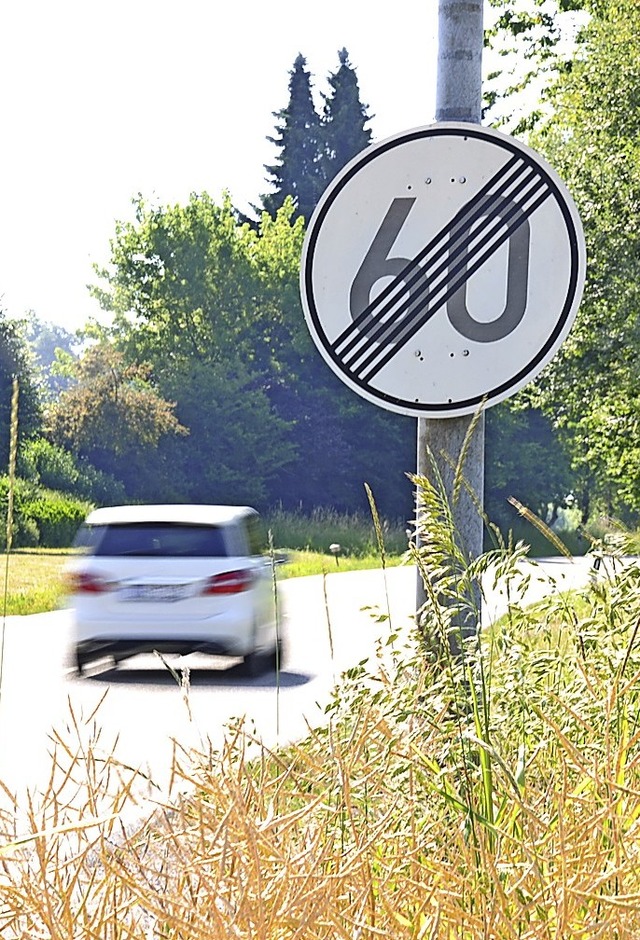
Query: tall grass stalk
450	625
279	643
382	552
327	612
13	451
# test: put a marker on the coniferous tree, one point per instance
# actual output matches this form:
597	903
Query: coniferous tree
298	171
344	119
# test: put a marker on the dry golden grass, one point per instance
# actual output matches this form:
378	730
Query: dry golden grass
362	831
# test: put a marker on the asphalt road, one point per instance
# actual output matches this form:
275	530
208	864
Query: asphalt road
139	709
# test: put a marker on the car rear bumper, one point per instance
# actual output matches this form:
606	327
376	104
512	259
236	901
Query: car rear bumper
227	635
100	647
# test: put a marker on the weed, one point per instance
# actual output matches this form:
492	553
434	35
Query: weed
485	790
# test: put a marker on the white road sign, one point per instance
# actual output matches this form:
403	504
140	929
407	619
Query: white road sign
442	268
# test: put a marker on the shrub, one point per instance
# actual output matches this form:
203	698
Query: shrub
25	533
45	463
54	467
57	517
99	487
40	516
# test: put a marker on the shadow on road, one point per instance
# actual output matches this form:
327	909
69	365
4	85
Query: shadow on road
200	676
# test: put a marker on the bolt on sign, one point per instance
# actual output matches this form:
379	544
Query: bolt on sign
442	268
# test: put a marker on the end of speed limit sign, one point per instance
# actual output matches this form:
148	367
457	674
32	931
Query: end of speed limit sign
442	268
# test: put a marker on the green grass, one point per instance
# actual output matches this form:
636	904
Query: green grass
36	575
35	580
300	564
355	533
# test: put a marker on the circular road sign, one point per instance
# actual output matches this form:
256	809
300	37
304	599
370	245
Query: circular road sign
442	269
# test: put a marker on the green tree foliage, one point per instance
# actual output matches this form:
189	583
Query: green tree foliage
586	123
591	388
299	170
47	341
525	460
344	118
191	284
182	278
112	415
529	43
314	147
15	360
208	301
238	446
214	305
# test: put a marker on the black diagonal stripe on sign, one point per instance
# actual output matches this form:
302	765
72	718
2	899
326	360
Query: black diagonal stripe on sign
443	246
460	274
505	177
385	332
463	276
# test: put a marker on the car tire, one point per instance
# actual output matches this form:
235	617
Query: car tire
80	662
279	655
254	664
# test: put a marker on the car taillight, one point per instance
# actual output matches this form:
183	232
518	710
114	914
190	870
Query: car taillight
229	582
84	582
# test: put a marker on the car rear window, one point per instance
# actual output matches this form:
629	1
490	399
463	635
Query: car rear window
167	540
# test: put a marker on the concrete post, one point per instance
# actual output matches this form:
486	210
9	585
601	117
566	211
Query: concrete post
459	77
458	98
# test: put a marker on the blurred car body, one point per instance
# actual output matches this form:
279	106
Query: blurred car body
173	579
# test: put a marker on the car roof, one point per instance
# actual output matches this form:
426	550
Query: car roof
185	513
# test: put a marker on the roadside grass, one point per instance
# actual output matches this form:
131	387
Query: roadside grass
35	579
490	792
300	564
36	585
355	533
36	576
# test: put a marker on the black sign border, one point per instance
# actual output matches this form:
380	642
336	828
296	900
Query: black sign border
530	369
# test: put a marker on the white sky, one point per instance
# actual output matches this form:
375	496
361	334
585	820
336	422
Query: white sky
102	100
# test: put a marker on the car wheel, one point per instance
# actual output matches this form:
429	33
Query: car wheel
279	654
255	664
80	662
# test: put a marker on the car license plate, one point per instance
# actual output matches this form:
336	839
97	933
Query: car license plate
160	593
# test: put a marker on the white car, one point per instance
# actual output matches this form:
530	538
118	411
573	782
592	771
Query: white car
176	579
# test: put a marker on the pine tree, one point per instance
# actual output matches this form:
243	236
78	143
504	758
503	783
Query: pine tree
298	171
344	119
